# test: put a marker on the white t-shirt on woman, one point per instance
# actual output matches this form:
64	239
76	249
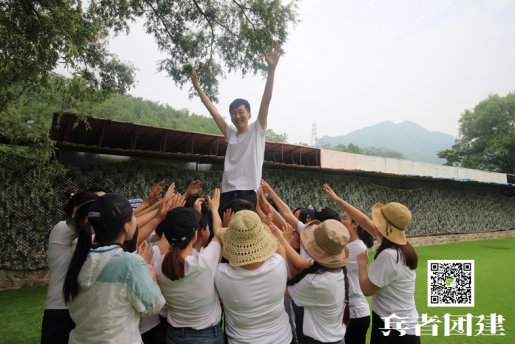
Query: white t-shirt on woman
254	302
322	295
192	301
397	288
358	305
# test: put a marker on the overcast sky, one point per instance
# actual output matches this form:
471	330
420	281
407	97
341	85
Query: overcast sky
352	64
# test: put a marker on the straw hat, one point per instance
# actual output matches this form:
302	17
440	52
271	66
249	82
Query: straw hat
325	242
247	240
391	221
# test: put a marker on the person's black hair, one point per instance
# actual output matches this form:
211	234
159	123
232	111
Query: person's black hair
404	252
303	214
236	103
180	226
313	269
190	201
106	215
236	205
97	188
327	214
366	237
76	200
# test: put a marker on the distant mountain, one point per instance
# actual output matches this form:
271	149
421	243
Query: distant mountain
408	138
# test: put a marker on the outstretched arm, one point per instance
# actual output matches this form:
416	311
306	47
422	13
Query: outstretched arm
284	210
272	58
356	214
220	122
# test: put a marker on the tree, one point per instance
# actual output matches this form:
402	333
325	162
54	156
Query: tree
39	36
274	137
213	36
486	138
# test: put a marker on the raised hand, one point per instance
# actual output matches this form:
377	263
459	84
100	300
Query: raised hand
264	186
265	207
227	217
194	78
194	188
177	200
214	201
170	191
329	191
145	250
272	57
156	191
197	205
288	232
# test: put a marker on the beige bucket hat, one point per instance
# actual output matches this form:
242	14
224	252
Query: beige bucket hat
325	242
391	221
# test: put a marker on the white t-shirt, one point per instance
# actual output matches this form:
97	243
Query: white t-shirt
192	301
244	158
358	305
303	253
397	288
148	322
322	295
254	302
60	252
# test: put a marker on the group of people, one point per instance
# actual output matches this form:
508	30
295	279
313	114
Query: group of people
238	266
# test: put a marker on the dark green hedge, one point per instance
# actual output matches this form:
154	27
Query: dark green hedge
438	207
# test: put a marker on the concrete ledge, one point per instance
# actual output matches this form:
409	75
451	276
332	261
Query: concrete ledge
450	238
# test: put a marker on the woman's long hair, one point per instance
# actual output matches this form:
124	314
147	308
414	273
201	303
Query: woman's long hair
106	233
406	253
173	263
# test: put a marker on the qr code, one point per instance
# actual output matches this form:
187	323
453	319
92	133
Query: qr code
450	283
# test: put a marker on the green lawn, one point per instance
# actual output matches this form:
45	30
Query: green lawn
21	310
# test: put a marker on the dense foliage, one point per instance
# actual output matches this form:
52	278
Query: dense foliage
39	37
486	138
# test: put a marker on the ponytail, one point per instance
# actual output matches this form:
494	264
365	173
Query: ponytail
71	285
173	264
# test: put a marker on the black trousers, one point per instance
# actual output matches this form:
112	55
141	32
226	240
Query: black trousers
357	330
56	326
394	337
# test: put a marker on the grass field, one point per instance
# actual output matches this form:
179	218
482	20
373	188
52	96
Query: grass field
21	310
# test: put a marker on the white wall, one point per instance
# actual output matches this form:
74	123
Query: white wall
357	162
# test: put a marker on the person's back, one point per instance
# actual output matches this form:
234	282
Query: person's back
252	285
108	289
112	297
253	302
192	301
187	280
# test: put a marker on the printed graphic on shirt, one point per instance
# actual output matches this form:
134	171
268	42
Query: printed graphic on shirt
450	283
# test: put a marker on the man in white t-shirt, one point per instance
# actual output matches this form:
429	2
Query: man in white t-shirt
246	142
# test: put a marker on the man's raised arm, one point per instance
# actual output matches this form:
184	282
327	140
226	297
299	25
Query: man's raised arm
272	58
220	122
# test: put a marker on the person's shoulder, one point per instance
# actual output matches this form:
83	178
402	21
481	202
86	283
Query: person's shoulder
388	254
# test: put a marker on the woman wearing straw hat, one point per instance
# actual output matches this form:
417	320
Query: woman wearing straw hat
187	279
359	242
322	289
253	284
391	278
